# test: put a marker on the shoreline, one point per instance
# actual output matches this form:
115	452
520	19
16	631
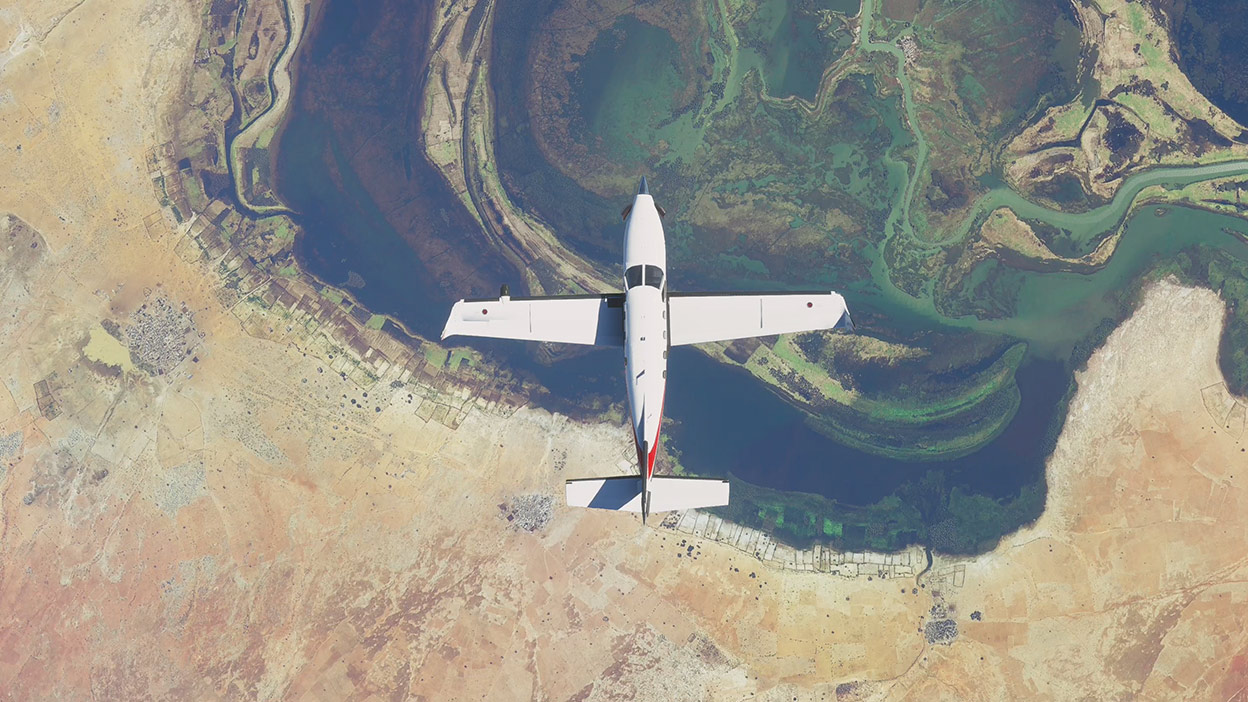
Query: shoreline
474	135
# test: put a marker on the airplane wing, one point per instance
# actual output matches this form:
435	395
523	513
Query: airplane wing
698	318
566	319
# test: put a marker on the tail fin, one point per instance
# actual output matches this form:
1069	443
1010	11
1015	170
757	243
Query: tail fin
666	494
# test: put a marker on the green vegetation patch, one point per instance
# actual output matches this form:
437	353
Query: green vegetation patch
1228	276
435	355
923	511
460	356
803	519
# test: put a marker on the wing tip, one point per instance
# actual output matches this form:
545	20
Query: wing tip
846	322
448	329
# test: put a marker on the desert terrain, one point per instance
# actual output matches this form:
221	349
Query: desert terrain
194	506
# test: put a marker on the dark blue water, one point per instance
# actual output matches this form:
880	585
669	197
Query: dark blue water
345	231
731	424
349	162
1209	41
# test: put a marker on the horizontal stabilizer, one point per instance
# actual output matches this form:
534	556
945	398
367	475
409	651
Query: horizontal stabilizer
666	494
622	494
669	494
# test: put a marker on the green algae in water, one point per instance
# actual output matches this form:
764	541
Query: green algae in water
629	81
1054	311
788	41
1014	56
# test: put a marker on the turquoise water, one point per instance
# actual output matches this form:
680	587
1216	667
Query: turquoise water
1056	310
788	43
1053	311
1089	227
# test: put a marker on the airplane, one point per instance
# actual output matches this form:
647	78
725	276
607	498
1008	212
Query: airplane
646	321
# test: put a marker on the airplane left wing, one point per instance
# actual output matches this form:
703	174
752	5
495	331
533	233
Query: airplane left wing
701	318
568	319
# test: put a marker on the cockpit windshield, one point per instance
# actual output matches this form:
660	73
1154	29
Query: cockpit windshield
643	275
632	277
654	277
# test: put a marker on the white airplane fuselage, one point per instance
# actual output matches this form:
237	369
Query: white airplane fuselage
645	326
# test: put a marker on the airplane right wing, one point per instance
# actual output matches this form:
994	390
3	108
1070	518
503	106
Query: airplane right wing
569	319
698	318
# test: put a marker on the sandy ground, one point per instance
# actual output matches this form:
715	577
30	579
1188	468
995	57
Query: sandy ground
1132	583
237	528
